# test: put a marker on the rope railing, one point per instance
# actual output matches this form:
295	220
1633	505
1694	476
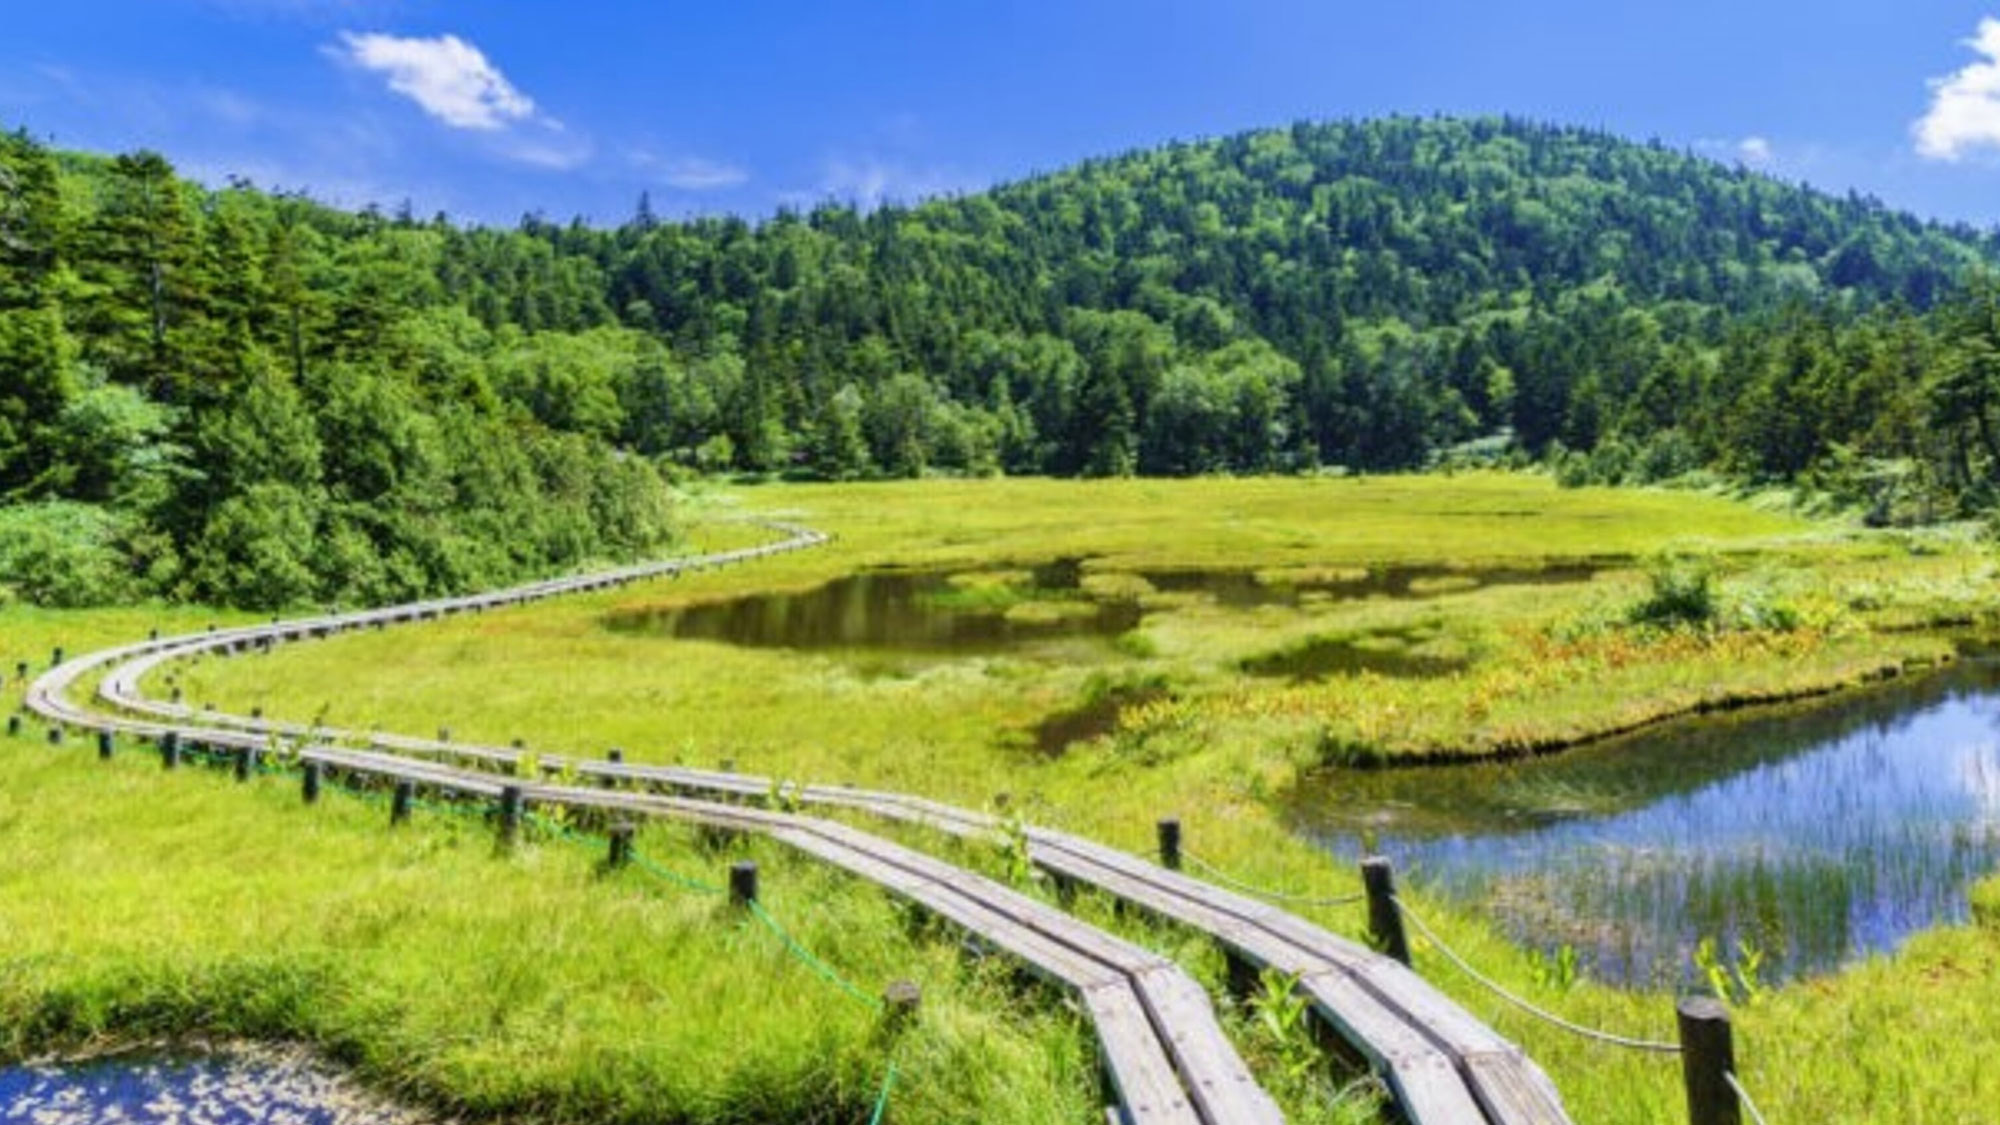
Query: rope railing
889	1082
1743	1097
806	957
1227	880
1543	1014
1706	1051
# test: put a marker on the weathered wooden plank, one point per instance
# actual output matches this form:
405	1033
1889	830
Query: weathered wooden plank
1424	1079
1216	1079
1137	1062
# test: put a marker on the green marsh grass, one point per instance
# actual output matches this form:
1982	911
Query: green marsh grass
138	906
1547	665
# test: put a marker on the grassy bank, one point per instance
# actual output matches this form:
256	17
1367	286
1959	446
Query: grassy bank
1501	666
137	905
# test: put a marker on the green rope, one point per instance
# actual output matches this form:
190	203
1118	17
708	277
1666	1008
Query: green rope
659	872
882	1099
805	957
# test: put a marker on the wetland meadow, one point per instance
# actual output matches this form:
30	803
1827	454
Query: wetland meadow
1620	743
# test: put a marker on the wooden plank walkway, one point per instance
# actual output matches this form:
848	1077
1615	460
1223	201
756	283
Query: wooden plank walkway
1442	1064
1163	1049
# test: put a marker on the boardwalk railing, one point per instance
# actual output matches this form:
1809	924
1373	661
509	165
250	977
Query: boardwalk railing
1441	1064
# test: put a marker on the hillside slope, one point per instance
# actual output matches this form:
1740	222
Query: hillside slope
248	397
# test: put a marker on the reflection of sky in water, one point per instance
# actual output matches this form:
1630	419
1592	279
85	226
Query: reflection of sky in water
261	1088
1815	835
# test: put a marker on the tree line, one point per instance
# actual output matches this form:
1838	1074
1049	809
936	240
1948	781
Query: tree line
248	397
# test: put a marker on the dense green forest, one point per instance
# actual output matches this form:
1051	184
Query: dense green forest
249	397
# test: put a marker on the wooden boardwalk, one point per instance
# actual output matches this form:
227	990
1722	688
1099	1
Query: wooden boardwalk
1163	1050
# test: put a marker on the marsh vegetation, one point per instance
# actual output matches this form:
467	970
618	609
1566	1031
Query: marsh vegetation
1480	632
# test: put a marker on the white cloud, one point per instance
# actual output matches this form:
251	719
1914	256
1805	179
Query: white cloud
545	144
1964	113
870	182
692	173
450	78
1754	151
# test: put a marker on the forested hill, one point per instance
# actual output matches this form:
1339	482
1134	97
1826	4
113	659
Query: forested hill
244	396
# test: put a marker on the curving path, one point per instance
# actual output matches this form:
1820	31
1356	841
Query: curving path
1162	1047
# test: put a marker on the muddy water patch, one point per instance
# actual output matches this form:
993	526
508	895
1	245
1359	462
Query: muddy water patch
1811	836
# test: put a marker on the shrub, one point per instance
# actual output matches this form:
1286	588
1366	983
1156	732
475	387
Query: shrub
1682	594
65	555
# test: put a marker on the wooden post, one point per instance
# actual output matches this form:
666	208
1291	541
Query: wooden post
56	657
13	726
510	815
309	786
901	1002
742	883
246	762
1707	1055
1244	978
621	845
21	670
104	745
55	734
153	634
616	757
170	750
177	693
1385	919
1170	843
399	803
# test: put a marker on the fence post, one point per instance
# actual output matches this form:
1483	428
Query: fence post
742	883
510	815
1385	919
56	734
309	782
1170	843
246	762
104	745
621	845
399	803
1708	1055
170	750
901	1002
13	726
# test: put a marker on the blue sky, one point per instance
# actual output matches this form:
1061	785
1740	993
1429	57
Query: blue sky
488	109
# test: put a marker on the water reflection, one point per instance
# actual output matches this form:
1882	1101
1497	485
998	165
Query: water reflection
1813	835
980	612
912	611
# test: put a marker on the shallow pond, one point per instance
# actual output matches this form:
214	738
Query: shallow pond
1811	835
920	611
250	1087
938	611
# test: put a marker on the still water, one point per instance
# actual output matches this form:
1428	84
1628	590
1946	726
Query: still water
1814	835
253	1086
933	612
